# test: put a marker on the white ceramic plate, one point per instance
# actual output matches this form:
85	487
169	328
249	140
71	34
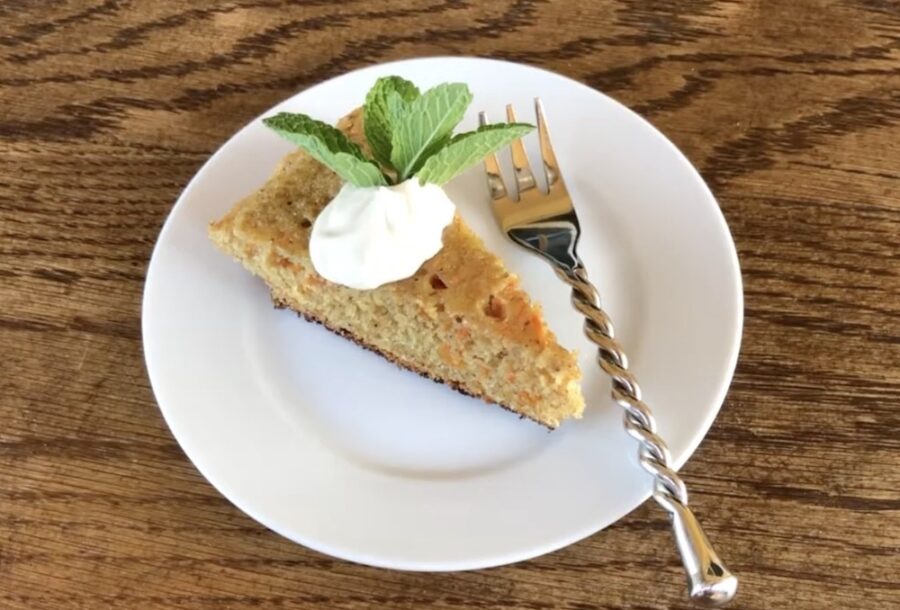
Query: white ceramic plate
339	450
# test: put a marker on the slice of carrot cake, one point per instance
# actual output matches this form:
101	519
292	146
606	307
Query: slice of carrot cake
460	317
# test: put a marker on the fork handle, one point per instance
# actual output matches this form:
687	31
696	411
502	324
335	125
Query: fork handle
709	582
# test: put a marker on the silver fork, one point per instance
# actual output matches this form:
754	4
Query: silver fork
546	224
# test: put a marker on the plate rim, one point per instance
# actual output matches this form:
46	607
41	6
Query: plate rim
702	428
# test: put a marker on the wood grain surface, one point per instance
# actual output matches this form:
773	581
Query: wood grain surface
791	111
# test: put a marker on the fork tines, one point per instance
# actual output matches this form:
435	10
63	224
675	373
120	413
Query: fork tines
524	176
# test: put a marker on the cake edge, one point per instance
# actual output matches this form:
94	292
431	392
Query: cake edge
281	303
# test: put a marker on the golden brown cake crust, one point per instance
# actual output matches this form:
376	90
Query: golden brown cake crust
462	318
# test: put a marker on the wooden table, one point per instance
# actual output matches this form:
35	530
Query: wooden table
791	110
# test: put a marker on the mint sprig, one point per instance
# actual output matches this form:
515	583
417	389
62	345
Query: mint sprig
409	134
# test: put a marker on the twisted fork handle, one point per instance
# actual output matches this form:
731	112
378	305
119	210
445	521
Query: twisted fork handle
709	581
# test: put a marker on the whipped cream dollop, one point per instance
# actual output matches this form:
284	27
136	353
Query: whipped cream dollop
369	236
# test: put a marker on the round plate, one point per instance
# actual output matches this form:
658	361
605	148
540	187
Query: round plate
339	450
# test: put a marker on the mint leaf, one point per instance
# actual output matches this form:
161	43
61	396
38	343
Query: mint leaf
426	126
328	146
397	107
354	171
386	101
468	148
